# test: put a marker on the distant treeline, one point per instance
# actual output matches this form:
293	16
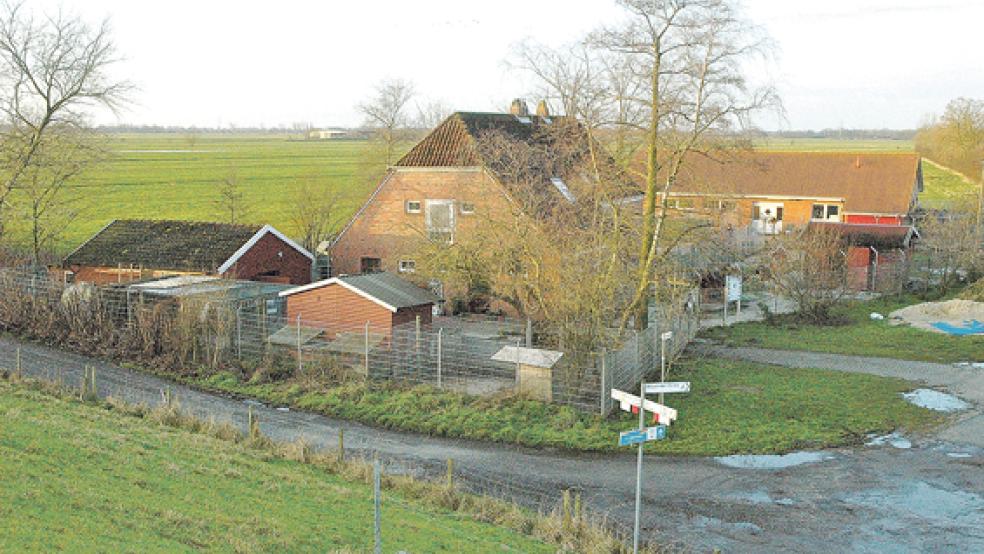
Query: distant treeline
956	139
847	134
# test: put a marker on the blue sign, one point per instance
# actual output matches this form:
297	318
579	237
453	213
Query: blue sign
656	433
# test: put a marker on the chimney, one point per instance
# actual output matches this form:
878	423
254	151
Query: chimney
519	108
857	163
542	109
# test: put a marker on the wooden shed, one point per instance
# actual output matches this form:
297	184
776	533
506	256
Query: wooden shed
347	303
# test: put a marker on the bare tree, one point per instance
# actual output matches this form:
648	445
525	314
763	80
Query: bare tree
232	197
951	246
52	70
431	114
315	214
386	112
47	200
690	55
809	267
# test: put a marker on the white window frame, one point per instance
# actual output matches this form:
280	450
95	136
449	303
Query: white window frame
407	266
826	216
466	211
431	229
409	210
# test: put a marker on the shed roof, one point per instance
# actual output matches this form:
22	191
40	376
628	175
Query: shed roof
876	183
878	236
176	245
386	289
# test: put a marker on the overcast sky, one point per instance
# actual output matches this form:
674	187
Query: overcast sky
840	63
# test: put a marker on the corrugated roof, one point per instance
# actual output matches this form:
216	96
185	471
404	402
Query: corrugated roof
161	244
877	183
390	289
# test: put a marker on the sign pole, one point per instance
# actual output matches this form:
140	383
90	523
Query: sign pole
638	498
662	362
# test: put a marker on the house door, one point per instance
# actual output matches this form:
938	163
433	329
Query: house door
440	220
767	217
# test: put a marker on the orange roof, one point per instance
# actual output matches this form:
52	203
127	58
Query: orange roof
877	183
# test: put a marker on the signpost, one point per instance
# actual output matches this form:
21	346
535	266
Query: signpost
732	293
644	434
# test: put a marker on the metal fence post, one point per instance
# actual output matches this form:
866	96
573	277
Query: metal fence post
239	332
529	333
367	349
604	391
377	527
440	336
300	363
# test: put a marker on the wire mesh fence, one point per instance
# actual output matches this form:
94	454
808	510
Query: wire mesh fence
222	328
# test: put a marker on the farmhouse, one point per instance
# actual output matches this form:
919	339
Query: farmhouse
771	191
348	303
450	183
130	250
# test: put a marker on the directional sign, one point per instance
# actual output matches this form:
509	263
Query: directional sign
635	436
668	387
627	401
667	335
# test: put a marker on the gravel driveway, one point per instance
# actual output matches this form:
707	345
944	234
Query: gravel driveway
926	498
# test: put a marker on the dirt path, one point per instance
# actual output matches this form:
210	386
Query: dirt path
926	498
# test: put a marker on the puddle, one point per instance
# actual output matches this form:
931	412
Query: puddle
959	455
935	400
772	461
283	409
972	365
760	497
924	501
895	440
251	402
713	522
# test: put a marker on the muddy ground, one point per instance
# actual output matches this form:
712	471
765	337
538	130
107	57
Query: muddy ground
880	498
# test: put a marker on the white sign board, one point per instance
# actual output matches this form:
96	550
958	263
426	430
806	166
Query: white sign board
732	285
668	387
667	335
626	401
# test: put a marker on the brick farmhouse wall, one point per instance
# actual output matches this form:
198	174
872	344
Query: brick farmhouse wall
340	310
273	260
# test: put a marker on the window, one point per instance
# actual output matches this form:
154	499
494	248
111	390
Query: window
440	220
371	265
826	211
466	208
413	206
272	306
408	266
682	203
727	205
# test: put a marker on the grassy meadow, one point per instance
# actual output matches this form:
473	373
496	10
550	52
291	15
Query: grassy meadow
80	478
174	176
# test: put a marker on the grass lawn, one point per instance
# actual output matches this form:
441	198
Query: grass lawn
171	176
942	186
861	337
782	409
77	478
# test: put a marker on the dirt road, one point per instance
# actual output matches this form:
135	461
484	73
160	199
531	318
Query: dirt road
929	497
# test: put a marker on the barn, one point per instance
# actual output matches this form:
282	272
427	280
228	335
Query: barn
347	303
131	250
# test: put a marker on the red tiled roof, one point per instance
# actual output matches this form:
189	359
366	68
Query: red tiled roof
863	234
877	183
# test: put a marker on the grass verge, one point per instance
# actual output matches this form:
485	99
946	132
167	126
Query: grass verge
78	476
782	409
860	336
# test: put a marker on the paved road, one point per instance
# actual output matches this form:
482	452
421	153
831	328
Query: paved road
926	498
963	381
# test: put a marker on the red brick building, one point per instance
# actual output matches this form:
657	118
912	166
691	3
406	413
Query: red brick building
128	250
346	304
450	183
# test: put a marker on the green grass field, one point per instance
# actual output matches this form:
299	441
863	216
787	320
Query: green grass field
80	478
860	337
782	409
942	186
833	145
172	176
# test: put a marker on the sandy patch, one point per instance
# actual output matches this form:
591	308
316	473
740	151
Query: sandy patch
954	312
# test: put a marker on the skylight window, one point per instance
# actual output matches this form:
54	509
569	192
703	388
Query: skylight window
561	186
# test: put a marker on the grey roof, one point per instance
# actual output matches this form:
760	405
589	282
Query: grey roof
390	289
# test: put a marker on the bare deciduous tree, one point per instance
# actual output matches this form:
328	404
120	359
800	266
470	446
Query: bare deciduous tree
232	198
809	267
386	112
315	214
52	69
951	246
431	114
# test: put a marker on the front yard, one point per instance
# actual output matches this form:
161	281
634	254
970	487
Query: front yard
859	336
